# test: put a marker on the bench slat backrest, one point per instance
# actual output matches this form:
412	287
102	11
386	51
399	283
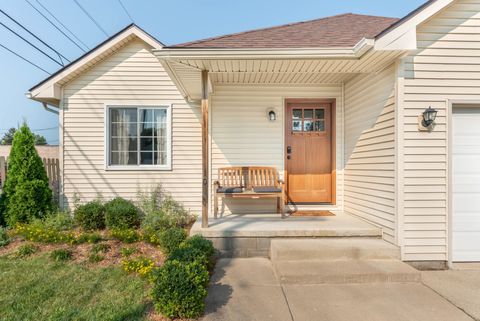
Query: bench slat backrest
249	177
262	176
231	177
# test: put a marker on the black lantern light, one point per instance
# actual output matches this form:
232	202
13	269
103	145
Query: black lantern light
429	116
272	116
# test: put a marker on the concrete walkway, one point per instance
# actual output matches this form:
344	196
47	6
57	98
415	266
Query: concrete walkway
461	287
247	289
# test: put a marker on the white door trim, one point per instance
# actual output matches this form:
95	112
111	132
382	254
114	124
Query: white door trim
451	103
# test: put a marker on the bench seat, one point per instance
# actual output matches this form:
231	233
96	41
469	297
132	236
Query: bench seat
251	182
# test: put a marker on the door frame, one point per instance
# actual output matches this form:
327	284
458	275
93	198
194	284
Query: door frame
333	151
450	105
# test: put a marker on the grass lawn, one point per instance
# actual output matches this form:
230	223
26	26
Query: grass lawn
36	288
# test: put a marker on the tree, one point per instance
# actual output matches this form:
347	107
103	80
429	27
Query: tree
7	138
26	194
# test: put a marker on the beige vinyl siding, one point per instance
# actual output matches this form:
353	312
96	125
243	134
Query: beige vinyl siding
241	133
446	67
369	176
131	76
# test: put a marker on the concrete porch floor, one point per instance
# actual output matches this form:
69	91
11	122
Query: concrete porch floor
272	225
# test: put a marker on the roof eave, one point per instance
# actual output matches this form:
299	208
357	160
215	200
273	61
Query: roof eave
403	34
48	90
266	53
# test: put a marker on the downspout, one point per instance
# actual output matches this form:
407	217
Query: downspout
50	109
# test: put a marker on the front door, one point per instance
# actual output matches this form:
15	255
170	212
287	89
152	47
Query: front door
309	142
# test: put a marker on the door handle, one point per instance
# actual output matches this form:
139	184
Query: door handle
289	149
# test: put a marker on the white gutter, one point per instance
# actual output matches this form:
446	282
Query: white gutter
267	53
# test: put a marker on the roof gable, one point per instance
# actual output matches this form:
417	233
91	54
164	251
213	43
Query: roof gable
48	90
345	30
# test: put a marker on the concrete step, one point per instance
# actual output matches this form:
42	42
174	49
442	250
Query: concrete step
332	249
344	271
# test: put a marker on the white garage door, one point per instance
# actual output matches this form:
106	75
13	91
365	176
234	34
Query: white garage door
466	185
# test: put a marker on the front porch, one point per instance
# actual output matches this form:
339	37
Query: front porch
249	235
331	136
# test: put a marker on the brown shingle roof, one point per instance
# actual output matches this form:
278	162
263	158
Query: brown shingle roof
344	30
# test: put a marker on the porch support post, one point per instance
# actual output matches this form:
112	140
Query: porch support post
205	164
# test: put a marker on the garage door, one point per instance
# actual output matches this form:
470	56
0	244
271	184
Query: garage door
466	185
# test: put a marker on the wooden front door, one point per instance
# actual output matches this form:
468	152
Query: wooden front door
309	148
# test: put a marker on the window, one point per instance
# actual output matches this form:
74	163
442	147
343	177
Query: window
138	136
308	120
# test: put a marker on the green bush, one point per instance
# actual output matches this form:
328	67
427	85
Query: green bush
26	192
3	209
61	255
171	239
179	289
4	237
126	236
161	212
60	221
189	255
201	243
26	250
121	214
90	216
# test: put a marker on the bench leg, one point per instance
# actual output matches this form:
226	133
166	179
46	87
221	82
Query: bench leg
278	204
282	205
215	205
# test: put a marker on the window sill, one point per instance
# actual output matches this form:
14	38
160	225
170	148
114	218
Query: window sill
138	168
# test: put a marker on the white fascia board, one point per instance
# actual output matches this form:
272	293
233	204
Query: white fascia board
404	35
286	53
41	91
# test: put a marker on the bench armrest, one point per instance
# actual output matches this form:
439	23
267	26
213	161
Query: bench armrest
216	183
281	182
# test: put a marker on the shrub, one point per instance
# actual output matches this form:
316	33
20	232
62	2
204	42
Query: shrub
179	289
161	212
61	255
91	216
121	214
189	255
26	192
26	250
60	221
201	243
89	238
141	265
100	248
4	237
126	236
127	251
171	239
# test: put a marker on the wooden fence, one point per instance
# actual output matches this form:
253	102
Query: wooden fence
51	166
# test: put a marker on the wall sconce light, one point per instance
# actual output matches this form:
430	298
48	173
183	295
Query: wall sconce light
426	120
429	116
272	115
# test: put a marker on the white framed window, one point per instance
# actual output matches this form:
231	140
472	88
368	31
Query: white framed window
138	137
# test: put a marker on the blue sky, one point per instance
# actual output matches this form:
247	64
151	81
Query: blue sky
169	21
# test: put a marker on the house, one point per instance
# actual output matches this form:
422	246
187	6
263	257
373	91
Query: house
343	107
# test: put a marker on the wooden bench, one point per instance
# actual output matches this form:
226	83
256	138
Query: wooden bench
252	182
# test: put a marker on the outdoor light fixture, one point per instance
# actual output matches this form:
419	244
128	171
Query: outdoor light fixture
272	116
429	116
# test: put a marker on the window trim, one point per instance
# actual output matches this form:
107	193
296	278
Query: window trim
139	167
